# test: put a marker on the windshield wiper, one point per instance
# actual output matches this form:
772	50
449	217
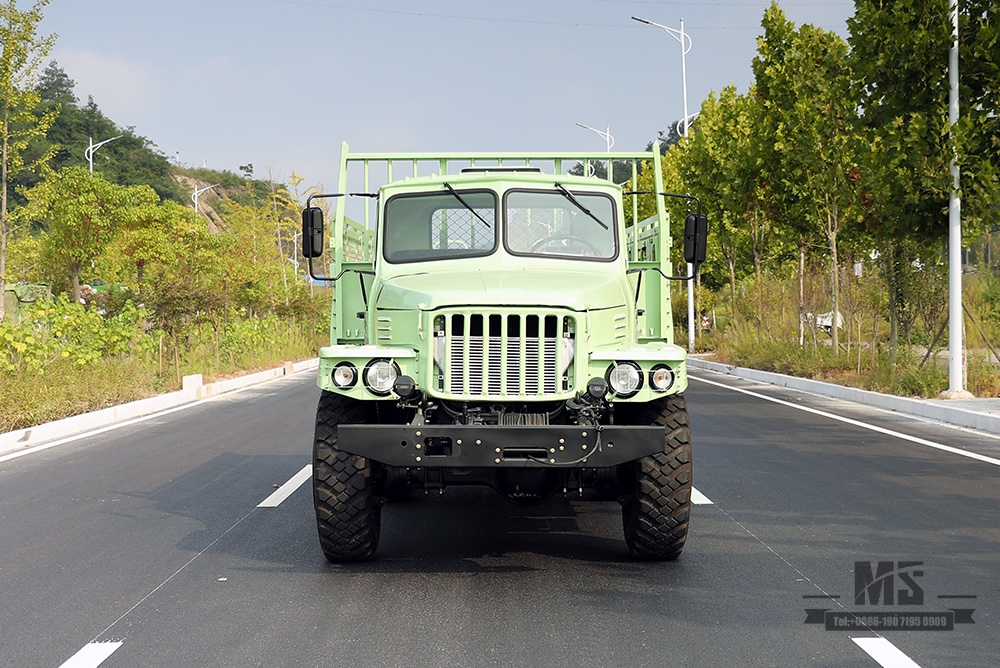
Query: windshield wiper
575	201
466	205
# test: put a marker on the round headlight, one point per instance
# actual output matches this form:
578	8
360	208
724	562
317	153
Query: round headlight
625	378
380	375
661	377
345	375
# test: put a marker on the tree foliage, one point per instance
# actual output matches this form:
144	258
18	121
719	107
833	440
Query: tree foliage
20	59
82	213
129	161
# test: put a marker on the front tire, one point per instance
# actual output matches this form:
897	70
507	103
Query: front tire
657	502
348	514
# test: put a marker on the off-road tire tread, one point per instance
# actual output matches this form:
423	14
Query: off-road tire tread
657	503
348	515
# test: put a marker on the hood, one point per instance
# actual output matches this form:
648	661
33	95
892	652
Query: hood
576	290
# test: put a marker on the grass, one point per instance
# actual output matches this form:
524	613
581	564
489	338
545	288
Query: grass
904	376
64	389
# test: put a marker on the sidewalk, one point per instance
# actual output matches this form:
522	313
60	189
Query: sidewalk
980	414
193	390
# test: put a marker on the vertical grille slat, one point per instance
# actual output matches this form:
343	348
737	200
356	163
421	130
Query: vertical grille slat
496	356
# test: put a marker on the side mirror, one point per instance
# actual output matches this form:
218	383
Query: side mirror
312	232
695	238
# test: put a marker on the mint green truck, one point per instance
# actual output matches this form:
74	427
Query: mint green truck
497	321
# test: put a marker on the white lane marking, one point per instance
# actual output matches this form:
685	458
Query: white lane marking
887	654
699	499
92	655
286	490
857	423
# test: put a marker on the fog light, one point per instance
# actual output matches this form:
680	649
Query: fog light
597	387
404	387
345	375
625	378
380	375
661	377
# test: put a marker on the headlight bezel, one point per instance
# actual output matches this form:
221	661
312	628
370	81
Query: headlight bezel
375	385
632	384
655	372
345	367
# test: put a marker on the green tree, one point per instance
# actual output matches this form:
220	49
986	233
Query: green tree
147	237
979	131
82	213
715	172
20	60
819	139
783	203
899	54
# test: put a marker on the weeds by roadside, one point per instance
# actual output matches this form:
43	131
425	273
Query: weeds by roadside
63	359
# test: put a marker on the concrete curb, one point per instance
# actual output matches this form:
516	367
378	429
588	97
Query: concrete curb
958	412
193	390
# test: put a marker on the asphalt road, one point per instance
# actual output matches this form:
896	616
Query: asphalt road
145	546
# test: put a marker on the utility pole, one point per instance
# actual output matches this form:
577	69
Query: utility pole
956	347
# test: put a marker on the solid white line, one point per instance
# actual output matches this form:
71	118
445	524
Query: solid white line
887	654
286	490
699	499
92	655
856	423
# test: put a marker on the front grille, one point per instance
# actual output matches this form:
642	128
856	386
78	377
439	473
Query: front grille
503	355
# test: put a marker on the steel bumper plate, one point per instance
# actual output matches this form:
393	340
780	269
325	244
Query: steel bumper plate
500	446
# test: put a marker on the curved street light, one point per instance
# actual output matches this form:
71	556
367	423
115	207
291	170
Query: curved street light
685	41
609	141
605	134
88	152
199	191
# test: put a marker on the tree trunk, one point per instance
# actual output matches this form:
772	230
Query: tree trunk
802	291
890	264
834	329
3	212
74	277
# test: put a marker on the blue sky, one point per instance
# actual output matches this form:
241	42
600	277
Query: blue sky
281	83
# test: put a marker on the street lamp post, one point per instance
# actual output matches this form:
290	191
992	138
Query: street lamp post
199	191
609	141
685	42
956	343
88	152
605	134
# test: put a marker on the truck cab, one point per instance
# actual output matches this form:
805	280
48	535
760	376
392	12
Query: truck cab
492	326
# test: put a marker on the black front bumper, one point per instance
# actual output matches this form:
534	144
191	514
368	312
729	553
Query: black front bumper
493	446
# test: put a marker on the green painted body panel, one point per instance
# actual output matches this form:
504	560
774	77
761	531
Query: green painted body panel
524	286
504	322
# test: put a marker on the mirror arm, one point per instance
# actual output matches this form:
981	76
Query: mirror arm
312	272
660	272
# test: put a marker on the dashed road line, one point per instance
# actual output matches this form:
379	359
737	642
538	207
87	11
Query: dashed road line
286	490
887	654
858	423
884	652
92	655
699	499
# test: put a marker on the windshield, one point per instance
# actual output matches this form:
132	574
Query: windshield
441	225
552	223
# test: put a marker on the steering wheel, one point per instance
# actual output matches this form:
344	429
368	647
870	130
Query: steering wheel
583	243
457	243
